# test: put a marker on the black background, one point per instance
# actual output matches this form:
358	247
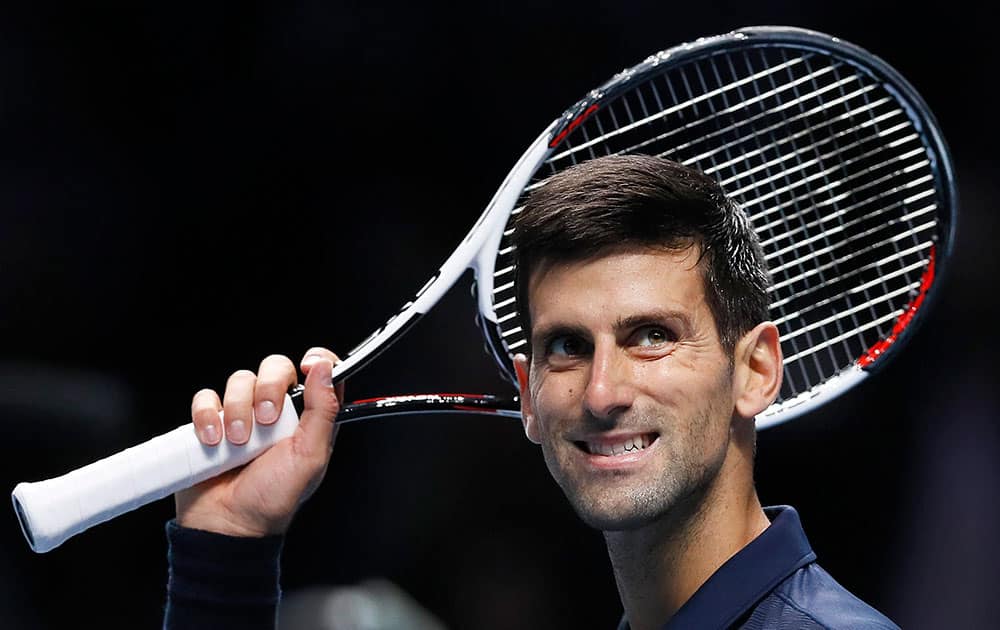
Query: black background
186	187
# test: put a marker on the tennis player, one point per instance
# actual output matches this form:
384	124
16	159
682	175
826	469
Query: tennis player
644	293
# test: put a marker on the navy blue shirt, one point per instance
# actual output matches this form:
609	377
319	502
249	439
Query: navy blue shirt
774	582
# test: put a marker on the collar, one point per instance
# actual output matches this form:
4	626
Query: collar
748	576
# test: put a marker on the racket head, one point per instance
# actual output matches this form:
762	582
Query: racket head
839	163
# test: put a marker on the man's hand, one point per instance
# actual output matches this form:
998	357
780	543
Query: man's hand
259	499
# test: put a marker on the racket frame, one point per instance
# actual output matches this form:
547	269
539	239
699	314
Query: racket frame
53	510
861	60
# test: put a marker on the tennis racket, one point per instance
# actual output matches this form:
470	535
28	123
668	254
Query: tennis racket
836	159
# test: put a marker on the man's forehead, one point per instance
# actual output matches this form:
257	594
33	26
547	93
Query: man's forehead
686	258
642	278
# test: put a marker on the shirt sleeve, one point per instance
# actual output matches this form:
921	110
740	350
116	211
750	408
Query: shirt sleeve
221	582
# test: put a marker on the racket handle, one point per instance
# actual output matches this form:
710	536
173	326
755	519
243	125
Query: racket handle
54	510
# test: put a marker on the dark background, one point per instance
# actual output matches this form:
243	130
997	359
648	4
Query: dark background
186	187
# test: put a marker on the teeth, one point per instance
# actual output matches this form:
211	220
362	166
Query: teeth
628	445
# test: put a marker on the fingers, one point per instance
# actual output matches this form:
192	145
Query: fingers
275	376
321	400
315	354
250	398
238	406
205	408
258	397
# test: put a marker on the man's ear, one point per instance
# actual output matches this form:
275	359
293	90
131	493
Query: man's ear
757	371
527	415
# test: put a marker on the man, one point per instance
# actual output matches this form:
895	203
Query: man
643	291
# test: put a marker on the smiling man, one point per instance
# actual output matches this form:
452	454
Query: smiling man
644	294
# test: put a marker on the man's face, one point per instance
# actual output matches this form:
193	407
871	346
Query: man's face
629	391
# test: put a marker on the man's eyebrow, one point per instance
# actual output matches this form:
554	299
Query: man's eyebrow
655	316
547	331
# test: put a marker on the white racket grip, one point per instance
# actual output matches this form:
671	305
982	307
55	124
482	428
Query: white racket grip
54	510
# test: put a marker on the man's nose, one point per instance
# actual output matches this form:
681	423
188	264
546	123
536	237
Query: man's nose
609	389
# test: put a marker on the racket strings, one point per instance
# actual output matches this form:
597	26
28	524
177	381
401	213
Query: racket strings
922	166
829	215
865	310
618	133
771	183
685	134
826	162
797	374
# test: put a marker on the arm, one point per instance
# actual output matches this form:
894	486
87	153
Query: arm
225	542
218	581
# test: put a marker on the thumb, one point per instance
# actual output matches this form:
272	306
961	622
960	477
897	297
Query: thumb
320	407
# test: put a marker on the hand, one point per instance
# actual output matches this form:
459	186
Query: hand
260	498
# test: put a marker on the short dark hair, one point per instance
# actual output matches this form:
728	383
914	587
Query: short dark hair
620	201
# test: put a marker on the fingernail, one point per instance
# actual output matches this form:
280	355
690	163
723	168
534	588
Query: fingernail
266	412
312	358
210	435
237	432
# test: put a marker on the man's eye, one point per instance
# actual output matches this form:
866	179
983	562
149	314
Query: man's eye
652	336
566	346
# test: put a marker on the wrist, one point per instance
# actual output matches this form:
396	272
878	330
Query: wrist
227	524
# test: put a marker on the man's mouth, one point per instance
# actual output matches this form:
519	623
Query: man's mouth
616	447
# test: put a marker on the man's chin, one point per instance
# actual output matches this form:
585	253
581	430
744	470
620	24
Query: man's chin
616	518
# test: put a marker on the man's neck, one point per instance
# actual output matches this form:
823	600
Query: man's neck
660	566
